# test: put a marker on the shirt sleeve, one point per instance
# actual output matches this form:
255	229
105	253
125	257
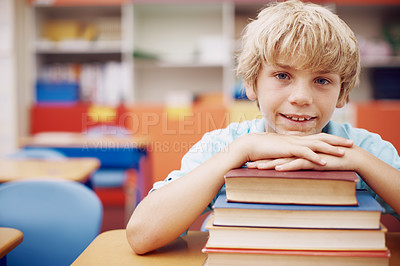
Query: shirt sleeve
210	144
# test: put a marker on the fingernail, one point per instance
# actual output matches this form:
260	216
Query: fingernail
341	151
278	167
323	162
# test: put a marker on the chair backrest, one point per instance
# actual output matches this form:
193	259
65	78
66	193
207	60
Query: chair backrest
37	153
59	219
108	130
108	177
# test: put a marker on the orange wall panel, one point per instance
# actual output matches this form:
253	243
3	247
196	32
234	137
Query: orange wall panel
71	118
382	117
171	138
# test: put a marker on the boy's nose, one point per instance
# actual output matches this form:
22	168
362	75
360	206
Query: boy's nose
301	94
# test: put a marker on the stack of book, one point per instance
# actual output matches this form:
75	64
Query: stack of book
295	218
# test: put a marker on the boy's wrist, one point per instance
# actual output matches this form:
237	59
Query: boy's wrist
361	159
237	152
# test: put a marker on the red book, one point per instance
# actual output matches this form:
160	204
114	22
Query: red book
292	187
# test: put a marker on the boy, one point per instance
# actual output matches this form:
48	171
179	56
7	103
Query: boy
299	62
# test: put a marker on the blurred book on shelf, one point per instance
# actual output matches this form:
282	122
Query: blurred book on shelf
97	83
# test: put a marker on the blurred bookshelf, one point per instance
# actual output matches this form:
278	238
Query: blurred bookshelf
119	52
164	46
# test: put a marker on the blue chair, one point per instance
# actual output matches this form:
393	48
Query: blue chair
59	219
108	178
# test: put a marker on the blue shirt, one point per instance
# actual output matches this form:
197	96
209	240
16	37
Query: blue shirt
212	142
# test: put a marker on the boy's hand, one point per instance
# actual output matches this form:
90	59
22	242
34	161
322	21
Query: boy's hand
349	161
268	151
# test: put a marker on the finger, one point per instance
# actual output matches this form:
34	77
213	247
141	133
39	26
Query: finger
271	164
261	164
323	147
331	139
252	164
307	153
297	164
321	144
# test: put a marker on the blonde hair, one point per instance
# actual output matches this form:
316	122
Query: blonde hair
311	34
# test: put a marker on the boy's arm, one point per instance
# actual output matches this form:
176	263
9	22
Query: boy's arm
167	212
380	176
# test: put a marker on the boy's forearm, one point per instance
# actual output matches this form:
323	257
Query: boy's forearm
381	177
166	213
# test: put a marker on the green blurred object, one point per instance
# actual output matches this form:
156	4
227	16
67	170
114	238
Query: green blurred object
144	55
392	34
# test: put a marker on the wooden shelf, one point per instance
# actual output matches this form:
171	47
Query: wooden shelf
363	2
338	2
76	2
84	47
178	64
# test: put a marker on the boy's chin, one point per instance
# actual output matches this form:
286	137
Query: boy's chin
294	131
297	133
304	132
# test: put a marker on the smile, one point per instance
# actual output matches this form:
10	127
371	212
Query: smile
299	118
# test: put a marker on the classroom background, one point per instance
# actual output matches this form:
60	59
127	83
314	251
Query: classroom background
159	73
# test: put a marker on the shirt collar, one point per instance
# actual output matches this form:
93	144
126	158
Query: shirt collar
258	126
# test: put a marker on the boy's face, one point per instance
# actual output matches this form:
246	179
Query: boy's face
296	102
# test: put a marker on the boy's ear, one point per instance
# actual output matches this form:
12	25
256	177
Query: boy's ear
340	103
343	99
250	92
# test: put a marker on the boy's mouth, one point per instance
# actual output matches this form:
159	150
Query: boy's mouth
298	118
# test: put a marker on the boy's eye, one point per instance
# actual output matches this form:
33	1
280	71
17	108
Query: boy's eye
322	81
281	76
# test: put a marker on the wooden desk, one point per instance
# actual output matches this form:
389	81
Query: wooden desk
113	152
112	248
71	169
9	239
